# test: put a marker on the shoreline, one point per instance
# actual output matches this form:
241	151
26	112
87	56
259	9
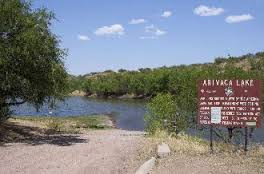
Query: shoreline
69	124
79	93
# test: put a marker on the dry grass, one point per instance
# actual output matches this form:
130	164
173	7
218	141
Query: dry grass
184	143
179	144
65	124
189	151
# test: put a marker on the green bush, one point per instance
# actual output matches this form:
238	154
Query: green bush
163	114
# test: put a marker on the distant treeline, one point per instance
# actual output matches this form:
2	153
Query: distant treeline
180	80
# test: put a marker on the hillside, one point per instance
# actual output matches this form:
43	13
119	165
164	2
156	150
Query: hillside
147	82
241	61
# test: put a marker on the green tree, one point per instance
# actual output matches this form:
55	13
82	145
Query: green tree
122	70
31	60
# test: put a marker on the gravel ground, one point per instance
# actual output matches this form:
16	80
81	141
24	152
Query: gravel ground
211	164
102	151
28	150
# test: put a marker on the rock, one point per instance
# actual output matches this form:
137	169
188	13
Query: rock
163	150
127	96
101	126
78	93
146	167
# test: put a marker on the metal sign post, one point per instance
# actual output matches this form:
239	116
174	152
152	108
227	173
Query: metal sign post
211	139
246	140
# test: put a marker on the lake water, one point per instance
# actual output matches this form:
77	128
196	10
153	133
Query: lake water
128	114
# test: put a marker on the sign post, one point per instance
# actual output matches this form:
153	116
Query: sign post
211	139
246	139
229	103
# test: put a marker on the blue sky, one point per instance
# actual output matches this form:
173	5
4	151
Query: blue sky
132	34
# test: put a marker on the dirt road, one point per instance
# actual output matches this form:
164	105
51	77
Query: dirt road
103	151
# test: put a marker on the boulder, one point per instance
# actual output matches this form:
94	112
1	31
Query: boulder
163	150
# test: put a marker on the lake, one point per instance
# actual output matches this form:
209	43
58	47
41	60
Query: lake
128	114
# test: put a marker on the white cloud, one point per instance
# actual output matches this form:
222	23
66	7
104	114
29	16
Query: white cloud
116	29
149	28
154	30
166	14
160	32
147	37
137	21
83	37
239	18
203	10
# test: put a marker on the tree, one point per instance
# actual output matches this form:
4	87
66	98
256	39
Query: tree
31	60
122	70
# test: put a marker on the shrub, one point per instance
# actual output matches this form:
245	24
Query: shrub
163	115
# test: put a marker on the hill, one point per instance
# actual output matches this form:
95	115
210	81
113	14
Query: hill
146	82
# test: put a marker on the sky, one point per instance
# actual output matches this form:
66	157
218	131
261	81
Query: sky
131	34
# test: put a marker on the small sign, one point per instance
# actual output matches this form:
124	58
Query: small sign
216	115
252	124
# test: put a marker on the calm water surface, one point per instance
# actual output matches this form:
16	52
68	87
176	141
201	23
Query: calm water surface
127	113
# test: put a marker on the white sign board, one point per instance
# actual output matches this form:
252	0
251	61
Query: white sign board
216	115
251	124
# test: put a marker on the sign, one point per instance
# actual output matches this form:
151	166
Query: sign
216	115
229	103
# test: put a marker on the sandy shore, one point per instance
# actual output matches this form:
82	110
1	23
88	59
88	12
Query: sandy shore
101	151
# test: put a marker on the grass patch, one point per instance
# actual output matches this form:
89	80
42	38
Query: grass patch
65	124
